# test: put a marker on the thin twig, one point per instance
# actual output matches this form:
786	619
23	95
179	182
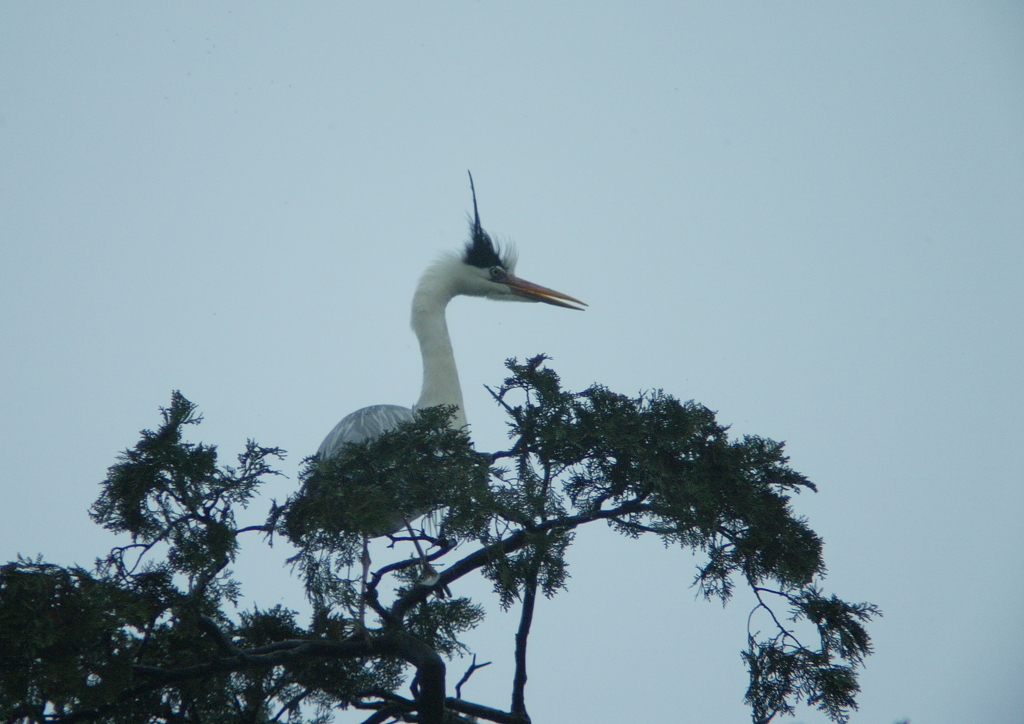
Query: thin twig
465	677
260	528
401	565
783	631
292	703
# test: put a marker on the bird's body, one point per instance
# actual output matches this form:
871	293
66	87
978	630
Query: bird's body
482	270
362	425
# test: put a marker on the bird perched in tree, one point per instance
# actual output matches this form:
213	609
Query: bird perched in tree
481	270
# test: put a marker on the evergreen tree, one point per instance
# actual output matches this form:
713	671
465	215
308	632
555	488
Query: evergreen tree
146	635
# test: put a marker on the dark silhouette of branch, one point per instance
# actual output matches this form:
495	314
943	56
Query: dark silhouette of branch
783	631
224	642
375	579
256	528
292	703
465	677
390	711
522	635
486	712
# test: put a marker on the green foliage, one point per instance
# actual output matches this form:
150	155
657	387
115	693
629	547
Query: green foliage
169	491
672	470
149	635
440	621
61	637
783	671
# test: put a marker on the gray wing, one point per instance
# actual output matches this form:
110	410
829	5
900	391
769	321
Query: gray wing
362	425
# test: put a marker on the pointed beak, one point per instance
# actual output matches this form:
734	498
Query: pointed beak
537	293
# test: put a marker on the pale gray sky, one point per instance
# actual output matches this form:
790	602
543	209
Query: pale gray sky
809	218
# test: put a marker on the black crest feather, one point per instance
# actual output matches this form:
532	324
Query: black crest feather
481	251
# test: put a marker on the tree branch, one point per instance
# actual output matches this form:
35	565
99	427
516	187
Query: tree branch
224	642
514	542
292	703
485	712
522	635
388	712
258	528
408	563
465	677
281	653
784	633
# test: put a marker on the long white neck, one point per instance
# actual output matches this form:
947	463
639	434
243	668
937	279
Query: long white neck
440	376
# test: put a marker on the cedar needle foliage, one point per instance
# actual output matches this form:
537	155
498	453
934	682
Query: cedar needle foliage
153	632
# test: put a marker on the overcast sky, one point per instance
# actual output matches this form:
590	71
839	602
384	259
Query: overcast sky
808	218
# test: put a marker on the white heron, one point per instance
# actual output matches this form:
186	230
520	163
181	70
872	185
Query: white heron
481	270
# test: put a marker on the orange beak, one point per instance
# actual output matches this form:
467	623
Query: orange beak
537	293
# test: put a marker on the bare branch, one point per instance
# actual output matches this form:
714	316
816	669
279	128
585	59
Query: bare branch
486	712
379	717
292	703
256	528
522	635
465	677
408	563
784	633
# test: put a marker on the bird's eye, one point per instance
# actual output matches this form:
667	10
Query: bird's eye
498	274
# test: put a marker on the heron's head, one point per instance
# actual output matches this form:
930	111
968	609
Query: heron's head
489	271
